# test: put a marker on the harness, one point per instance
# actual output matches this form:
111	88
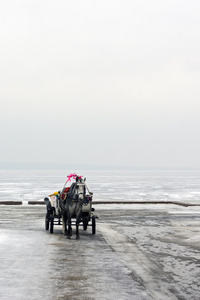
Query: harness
74	194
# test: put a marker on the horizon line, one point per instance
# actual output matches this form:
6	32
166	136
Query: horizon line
62	166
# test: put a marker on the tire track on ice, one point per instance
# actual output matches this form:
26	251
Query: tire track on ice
144	270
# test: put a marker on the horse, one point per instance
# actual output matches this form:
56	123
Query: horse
72	206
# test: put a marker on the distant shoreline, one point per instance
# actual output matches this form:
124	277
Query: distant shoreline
60	167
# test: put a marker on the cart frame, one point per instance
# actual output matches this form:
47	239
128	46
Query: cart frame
54	217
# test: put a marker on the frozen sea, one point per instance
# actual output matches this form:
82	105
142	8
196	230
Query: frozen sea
106	185
139	252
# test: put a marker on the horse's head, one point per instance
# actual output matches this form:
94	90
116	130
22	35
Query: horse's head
79	188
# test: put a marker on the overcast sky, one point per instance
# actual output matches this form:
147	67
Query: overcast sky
110	82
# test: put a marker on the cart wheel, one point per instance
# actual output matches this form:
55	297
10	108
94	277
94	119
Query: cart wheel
51	226
85	224
93	225
46	223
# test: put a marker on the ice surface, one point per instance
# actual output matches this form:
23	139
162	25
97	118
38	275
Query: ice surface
137	253
140	251
106	185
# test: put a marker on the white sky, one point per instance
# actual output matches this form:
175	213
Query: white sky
100	82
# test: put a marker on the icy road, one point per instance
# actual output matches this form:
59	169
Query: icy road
139	252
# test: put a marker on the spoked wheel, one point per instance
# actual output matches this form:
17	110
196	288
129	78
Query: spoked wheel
46	223
93	225
51	226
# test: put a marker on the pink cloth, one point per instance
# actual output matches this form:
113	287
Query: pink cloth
73	176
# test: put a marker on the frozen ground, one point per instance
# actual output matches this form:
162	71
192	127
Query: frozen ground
139	252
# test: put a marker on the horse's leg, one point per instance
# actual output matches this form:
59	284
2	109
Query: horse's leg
63	224
78	218
64	221
69	226
77	231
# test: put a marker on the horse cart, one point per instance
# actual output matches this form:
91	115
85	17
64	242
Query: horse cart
55	202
